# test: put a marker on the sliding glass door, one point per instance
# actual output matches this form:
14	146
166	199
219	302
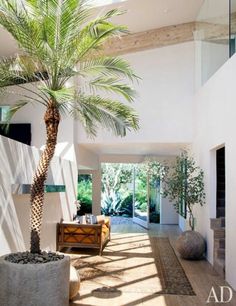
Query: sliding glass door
146	195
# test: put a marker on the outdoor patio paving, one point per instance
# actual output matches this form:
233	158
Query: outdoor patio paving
120	220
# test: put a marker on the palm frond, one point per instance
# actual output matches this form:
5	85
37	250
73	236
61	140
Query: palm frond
61	20
26	96
11	112
92	36
93	111
60	24
61	96
8	75
109	67
19	71
25	29
114	86
93	39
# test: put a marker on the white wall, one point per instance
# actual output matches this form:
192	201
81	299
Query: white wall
168	214
164	101
18	163
215	126
86	159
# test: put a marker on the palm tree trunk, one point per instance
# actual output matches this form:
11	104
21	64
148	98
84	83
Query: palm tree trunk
51	119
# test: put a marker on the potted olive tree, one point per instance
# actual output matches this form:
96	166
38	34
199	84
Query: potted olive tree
57	40
184	186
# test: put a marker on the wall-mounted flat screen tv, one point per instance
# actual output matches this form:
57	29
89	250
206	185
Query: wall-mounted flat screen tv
17	131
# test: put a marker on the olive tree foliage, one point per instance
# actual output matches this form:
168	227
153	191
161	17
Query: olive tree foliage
152	170
115	178
184	185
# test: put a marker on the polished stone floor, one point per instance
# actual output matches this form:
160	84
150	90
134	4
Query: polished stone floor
200	273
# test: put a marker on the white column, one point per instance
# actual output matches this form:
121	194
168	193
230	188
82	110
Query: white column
96	197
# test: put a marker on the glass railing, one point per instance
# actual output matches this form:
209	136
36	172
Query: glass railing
212	37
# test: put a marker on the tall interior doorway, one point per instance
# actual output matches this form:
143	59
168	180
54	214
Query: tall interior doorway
220	182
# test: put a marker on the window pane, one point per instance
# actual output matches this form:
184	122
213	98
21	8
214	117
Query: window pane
212	38
3	113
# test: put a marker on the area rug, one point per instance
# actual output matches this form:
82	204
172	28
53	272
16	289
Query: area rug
134	264
174	279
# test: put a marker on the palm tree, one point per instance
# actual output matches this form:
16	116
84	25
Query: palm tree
57	41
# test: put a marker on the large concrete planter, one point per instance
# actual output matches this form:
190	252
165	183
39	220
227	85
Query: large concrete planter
34	284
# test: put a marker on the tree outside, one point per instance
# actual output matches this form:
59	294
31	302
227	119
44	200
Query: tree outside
84	194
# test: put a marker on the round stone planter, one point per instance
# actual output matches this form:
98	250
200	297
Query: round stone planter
35	284
191	245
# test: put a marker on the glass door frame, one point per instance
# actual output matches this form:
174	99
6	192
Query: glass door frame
137	220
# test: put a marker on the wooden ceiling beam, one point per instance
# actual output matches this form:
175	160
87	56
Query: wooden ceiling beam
151	39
